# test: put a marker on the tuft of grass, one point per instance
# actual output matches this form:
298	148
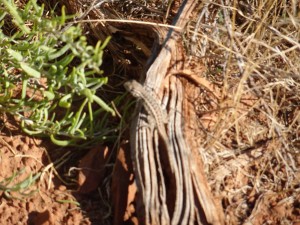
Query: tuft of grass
12	189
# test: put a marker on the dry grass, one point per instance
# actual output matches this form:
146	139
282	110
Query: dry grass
251	51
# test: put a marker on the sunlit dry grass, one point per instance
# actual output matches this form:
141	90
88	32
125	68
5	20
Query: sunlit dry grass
251	51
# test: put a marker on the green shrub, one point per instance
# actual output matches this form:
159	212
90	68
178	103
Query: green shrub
57	72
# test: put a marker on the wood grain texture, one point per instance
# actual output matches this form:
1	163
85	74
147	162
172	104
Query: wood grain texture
178	195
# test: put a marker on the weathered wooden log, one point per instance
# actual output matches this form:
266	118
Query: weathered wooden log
168	193
178	195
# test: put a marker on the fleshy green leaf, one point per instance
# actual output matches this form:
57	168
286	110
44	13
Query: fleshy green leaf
30	71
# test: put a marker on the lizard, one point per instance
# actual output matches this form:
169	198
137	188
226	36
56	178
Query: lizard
151	105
